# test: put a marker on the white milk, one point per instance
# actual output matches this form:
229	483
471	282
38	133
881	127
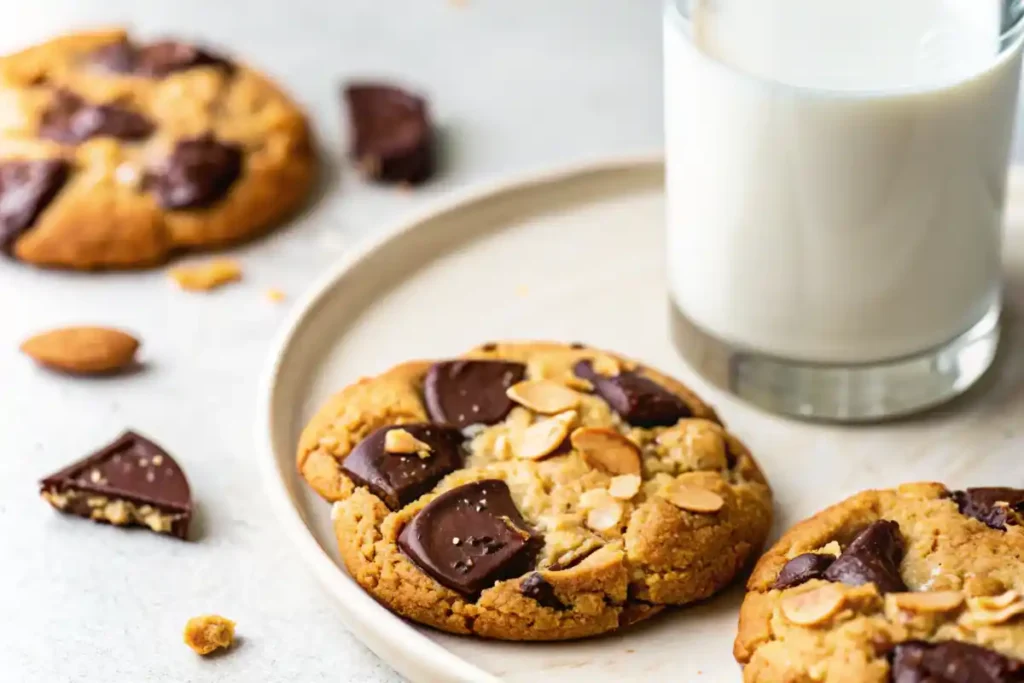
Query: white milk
837	171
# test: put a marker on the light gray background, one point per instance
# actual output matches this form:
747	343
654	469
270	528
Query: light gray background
517	86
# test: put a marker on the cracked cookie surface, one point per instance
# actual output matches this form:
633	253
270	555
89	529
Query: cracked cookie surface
914	584
116	153
533	491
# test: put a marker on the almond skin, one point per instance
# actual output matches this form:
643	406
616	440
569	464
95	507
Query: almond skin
82	350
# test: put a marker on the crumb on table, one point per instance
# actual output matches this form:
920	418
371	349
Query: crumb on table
206	276
209	632
276	295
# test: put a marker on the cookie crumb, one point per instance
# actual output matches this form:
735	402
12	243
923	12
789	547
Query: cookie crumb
522	291
209	632
276	295
204	277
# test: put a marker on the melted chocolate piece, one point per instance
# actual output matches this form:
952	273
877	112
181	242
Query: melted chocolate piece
392	138
802	569
132	470
471	537
952	661
465	392
71	120
995	507
198	173
156	60
26	188
398	479
872	557
638	400
538	589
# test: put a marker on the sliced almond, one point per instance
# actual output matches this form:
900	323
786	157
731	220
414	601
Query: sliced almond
543	396
607	450
203	277
606	366
992	603
927	601
812	607
693	499
604	517
401	441
988	611
82	350
624	486
542	438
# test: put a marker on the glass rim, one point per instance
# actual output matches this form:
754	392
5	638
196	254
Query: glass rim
1010	40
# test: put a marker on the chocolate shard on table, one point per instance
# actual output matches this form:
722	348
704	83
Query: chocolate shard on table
392	136
402	474
131	482
467	392
471	537
640	401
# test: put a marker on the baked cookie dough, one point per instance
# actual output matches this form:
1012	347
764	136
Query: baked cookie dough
914	585
116	153
533	491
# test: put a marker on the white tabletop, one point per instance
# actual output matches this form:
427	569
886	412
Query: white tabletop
516	85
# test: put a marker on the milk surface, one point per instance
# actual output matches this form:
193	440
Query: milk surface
837	171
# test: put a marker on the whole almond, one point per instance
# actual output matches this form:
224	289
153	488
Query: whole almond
607	450
82	350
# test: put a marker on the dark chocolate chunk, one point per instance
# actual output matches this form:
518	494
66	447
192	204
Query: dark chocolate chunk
952	661
543	593
26	188
392	138
398	479
471	537
155	60
640	401
199	172
802	569
874	556
130	482
70	119
995	507
466	392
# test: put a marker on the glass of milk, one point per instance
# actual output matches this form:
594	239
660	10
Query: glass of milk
836	177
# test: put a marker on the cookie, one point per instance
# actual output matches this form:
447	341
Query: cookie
391	133
914	585
533	491
116	153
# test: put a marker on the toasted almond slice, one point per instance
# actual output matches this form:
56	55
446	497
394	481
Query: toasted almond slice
542	438
812	607
987	611
82	350
604	517
543	396
927	601
607	450
606	366
624	486
401	441
693	499
993	603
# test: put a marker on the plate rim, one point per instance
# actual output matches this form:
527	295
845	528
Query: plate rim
432	661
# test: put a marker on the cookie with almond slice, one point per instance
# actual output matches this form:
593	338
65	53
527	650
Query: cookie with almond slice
533	491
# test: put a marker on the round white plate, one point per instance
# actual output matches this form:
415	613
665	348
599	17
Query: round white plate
577	255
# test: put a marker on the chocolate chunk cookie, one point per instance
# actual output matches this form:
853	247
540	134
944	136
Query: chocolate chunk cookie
534	491
914	585
116	153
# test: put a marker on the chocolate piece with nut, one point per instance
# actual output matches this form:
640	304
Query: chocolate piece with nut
131	482
392	137
400	463
471	537
996	507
